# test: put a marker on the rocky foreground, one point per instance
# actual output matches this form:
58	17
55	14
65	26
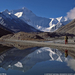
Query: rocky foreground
23	40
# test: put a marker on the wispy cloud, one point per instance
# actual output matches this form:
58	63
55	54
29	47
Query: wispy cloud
71	14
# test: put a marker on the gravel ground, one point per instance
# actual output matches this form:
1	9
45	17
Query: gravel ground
59	44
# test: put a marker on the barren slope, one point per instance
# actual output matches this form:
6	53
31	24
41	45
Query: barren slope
69	28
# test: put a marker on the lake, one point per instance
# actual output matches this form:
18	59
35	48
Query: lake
36	61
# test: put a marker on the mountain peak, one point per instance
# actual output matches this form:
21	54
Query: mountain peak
6	10
24	8
61	19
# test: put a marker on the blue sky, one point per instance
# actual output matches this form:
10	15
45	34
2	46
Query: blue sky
43	8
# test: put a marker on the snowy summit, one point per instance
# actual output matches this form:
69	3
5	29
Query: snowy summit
40	23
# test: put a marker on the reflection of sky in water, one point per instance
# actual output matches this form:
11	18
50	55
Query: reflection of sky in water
50	67
35	61
71	64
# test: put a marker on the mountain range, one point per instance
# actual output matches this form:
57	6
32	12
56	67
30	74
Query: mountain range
25	20
41	23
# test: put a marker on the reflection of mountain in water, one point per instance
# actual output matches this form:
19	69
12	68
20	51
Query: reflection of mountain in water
14	55
19	45
3	48
24	60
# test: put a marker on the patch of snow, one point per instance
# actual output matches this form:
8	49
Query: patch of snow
59	59
18	64
9	65
39	27
9	13
19	14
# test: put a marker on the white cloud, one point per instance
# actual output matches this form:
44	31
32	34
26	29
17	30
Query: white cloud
71	14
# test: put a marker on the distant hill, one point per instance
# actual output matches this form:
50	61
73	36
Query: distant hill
4	31
69	28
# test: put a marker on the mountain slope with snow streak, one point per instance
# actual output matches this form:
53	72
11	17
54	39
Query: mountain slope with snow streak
12	22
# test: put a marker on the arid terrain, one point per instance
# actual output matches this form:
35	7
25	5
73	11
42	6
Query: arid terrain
39	36
69	28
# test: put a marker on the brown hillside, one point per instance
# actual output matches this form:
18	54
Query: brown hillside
69	28
40	36
22	36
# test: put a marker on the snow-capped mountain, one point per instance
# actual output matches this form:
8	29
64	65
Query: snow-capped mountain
12	22
25	20
41	23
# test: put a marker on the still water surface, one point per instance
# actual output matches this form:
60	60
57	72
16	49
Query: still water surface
36	61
